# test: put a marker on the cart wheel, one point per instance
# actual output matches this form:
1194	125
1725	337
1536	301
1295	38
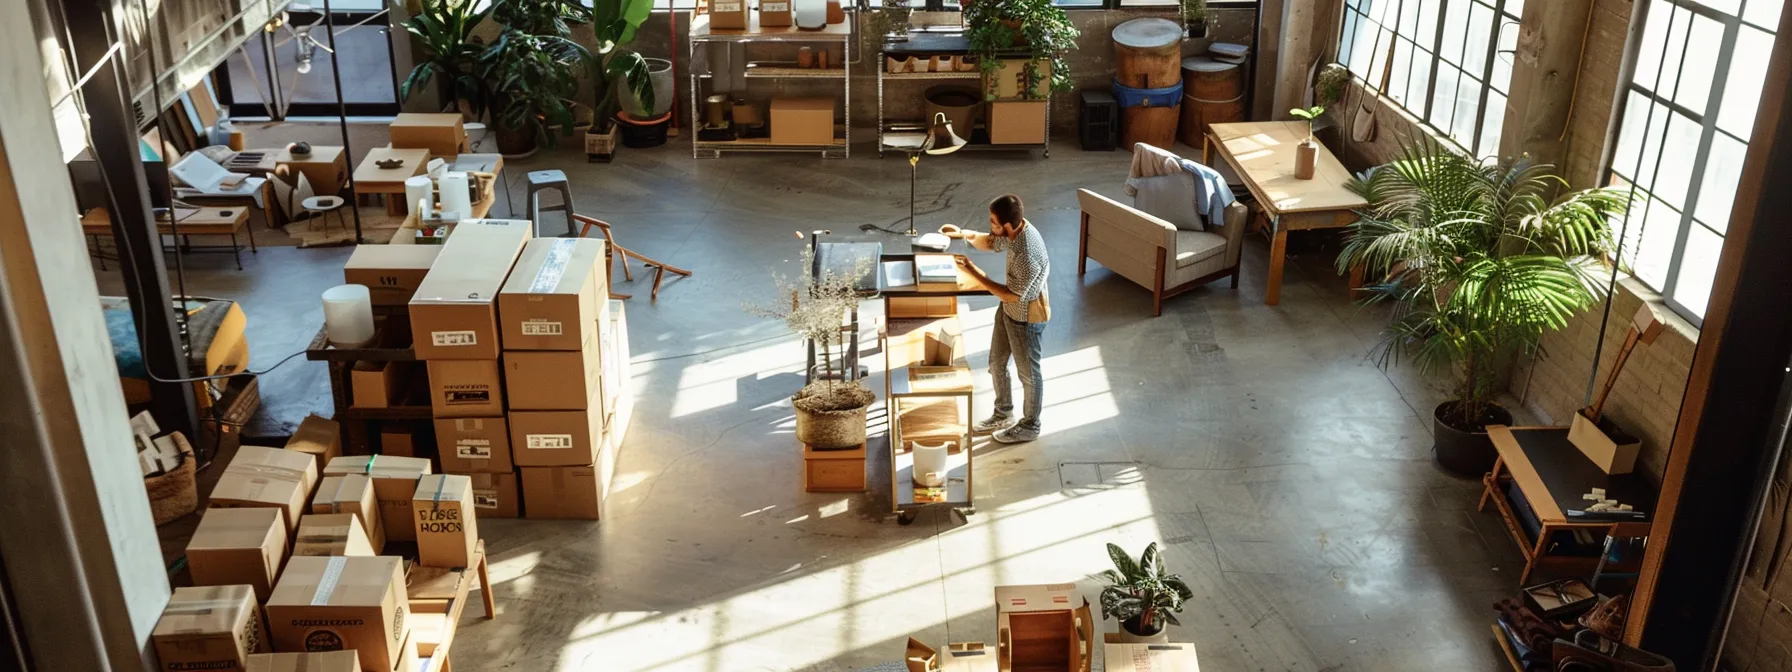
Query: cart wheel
1048	153
906	517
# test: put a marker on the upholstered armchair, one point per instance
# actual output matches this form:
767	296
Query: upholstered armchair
1153	252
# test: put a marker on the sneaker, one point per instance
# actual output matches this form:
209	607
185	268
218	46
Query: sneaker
994	423
1016	434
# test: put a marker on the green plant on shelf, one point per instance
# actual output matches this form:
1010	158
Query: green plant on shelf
1034	30
889	20
1196	21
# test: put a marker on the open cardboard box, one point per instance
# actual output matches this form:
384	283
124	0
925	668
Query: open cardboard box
1605	444
1038	629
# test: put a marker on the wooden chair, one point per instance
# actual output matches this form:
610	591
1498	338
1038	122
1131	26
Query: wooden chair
660	267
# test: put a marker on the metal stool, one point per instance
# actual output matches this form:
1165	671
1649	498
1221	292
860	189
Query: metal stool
544	180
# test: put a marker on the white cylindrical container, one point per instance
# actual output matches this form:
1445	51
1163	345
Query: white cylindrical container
810	14
348	315
455	197
418	190
930	464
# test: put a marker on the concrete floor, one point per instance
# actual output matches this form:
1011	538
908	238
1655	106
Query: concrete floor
1288	478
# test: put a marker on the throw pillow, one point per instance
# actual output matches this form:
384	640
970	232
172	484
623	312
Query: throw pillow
1170	198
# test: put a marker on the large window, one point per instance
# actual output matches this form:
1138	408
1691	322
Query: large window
1447	62
1686	119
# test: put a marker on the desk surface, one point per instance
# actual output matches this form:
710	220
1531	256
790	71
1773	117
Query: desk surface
326	154
370	177
1553	474
193	221
964	287
1263	154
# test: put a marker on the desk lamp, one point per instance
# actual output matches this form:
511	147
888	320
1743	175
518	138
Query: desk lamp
940	140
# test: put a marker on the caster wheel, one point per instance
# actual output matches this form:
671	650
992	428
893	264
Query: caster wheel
906	518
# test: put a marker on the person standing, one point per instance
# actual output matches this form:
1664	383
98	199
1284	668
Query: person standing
1020	323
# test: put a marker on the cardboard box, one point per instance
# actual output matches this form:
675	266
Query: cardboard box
352	494
728	15
802	121
408	658
1607	446
440	133
555	438
614	346
545	381
564	493
327	661
394	480
238	547
1138	657
427	632
465	388
473	445
209	628
1038	627
1017	122
495	495
332	534
319	437
377	384
447	528
341	603
398	441
454	313
775	14
437	590
834	470
267	477
1009	79
391	273
958	657
554	295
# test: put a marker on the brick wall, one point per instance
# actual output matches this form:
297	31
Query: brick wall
1593	100
1646	399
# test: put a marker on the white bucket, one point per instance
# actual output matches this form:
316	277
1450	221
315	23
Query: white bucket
348	316
930	464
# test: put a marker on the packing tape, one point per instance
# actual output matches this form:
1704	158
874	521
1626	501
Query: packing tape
269	470
436	500
199	607
327	583
554	267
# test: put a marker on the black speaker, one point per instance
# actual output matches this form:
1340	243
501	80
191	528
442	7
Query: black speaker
1098	121
1589	652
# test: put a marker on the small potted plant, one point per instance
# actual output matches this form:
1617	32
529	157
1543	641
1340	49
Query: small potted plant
1142	595
830	411
1197	25
889	20
1306	154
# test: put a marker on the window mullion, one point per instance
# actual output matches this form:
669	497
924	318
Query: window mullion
1437	56
1701	161
1493	47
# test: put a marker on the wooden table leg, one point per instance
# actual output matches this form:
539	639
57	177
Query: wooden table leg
1278	251
1492	480
1536	554
485	587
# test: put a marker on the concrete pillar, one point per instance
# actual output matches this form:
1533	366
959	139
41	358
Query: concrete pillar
1544	70
1308	29
1268	44
83	564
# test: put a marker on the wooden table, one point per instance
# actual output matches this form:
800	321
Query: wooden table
1262	153
207	221
1552	475
326	167
372	179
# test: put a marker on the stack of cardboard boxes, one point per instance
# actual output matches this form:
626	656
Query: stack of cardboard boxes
551	310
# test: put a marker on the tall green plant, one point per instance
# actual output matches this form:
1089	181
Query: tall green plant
615	22
1478	262
1036	30
444	30
1142	589
534	65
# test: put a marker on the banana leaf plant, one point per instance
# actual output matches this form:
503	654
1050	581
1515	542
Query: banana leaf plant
443	30
615	22
1141	594
534	65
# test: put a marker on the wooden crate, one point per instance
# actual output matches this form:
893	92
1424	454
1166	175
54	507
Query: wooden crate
834	470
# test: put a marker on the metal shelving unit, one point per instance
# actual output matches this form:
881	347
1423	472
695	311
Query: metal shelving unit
839	33
902	135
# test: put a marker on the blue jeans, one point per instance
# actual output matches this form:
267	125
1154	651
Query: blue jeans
1021	341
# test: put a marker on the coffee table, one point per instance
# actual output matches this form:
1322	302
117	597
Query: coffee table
1262	153
1552	475
389	182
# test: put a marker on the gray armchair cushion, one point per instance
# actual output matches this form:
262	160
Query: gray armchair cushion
1170	198
1193	247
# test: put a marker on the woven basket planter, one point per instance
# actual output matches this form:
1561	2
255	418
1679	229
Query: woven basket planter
831	429
175	493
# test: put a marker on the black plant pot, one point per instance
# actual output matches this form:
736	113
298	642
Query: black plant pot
1137	627
1461	446
641	134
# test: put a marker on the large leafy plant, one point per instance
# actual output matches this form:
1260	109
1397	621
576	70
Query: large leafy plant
1035	30
443	29
1477	261
615	22
533	66
1142	589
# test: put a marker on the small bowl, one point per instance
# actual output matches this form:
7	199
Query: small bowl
389	164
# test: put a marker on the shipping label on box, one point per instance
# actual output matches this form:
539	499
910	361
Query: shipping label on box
473	445
447	529
728	15
331	534
267	477
342	603
238	547
352	493
774	14
390	273
394	479
495	495
555	438
465	389
454	311
554	295
209	628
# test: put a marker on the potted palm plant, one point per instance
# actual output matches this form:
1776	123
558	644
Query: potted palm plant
443	30
1142	594
830	411
533	70
1478	264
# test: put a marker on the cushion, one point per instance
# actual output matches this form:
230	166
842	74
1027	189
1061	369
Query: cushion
1193	247
1170	198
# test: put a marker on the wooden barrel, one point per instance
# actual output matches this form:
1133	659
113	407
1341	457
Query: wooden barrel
1147	53
1155	126
1213	93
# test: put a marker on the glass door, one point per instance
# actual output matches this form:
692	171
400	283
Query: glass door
300	81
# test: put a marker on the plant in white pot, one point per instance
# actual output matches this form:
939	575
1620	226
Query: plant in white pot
830	411
1142	594
1478	264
